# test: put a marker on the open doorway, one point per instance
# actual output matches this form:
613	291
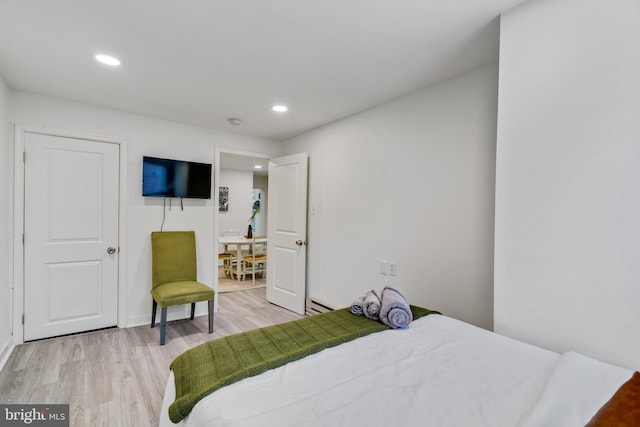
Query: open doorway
242	182
285	204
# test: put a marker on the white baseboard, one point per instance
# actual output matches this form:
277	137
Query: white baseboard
7	348
173	313
134	321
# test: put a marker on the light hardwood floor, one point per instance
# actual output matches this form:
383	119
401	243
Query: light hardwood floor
117	377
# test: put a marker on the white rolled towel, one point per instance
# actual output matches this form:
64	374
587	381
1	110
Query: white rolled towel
395	311
372	305
357	306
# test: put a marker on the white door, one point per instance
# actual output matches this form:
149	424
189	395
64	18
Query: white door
71	235
287	232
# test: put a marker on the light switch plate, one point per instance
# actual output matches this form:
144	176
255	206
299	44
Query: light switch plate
384	267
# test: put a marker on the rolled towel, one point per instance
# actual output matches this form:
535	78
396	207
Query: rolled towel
371	305
357	307
395	311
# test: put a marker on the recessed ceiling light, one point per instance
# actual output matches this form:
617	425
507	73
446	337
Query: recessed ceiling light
257	166
108	60
279	108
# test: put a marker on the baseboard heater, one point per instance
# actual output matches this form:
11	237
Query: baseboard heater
315	307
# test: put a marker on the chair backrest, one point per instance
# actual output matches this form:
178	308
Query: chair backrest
259	248
173	255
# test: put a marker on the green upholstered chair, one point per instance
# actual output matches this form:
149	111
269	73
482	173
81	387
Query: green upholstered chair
174	276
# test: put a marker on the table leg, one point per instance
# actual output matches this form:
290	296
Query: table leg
238	261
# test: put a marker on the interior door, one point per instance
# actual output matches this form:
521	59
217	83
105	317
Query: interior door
287	232
71	235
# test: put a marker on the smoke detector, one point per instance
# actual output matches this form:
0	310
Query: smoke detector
233	121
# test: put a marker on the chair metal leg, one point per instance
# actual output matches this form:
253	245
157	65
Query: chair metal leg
193	310
210	316
154	306
163	324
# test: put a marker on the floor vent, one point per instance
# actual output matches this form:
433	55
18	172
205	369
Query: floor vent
314	307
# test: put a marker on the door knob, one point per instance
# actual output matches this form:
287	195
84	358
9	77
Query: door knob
111	250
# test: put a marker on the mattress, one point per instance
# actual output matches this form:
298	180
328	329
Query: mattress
439	372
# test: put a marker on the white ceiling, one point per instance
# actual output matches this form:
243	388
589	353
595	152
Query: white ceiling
244	163
202	61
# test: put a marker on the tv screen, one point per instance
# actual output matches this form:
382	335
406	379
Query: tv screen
175	178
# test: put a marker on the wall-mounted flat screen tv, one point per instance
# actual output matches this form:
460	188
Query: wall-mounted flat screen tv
175	178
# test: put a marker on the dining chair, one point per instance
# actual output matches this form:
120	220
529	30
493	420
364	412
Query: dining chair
174	276
227	262
257	261
228	258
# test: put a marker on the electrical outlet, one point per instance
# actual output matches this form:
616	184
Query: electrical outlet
393	269
384	267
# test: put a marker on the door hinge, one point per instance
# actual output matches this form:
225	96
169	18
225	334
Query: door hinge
24	157
23	318
22	239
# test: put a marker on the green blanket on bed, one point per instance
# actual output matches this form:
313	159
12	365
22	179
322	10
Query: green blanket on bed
214	364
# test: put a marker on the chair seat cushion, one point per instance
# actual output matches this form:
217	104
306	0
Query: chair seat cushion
256	258
185	292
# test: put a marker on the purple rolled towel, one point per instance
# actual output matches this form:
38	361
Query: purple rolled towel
357	307
371	305
395	311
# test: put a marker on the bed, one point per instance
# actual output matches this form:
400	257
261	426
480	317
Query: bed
440	371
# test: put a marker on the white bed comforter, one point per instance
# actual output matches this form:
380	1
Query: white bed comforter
576	388
440	372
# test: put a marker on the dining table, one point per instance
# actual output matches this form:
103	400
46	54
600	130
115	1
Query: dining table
235	245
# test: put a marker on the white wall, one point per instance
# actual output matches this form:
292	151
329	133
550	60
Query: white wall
411	181
6	209
240	184
567	260
144	136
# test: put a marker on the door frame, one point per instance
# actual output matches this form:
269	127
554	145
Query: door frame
17	327
216	201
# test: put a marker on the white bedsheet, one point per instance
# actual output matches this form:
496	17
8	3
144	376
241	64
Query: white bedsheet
576	388
440	371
